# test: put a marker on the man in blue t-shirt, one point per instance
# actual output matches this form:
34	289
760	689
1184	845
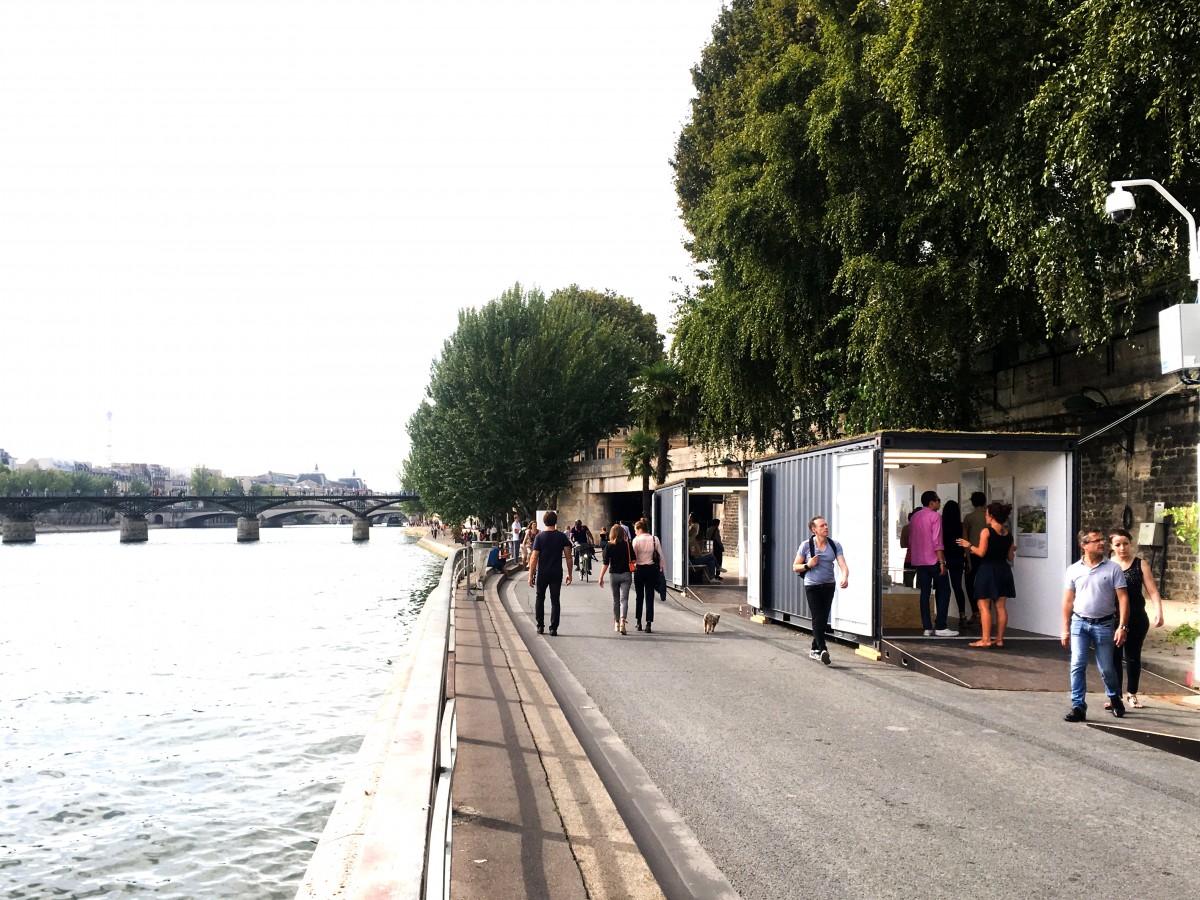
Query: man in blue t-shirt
551	555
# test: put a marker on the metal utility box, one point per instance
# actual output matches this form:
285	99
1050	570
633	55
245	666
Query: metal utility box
1179	337
866	486
1150	534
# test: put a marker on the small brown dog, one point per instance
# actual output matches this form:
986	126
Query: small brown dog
710	622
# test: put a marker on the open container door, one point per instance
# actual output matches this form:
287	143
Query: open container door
856	522
753	545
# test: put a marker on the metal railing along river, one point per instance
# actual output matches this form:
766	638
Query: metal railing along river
389	833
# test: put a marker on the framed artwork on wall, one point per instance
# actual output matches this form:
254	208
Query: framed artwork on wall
1000	489
972	480
901	502
1031	522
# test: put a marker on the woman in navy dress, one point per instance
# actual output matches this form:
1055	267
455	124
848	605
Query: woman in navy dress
995	548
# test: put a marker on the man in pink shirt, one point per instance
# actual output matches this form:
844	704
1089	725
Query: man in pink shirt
928	556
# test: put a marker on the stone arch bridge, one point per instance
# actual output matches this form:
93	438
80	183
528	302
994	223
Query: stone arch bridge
252	511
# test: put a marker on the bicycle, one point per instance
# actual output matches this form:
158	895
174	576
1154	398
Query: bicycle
584	553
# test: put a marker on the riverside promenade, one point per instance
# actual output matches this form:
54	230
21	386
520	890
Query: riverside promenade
680	764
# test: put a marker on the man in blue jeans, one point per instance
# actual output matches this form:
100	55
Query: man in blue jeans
1095	613
928	557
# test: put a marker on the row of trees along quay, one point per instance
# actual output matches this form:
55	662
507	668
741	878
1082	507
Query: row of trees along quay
51	482
523	385
878	195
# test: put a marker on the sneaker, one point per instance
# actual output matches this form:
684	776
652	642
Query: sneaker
814	654
1118	708
553	632
825	657
649	627
928	632
540	629
1077	714
946	632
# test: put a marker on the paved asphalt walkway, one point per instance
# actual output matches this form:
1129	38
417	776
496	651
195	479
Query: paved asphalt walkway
595	765
739	767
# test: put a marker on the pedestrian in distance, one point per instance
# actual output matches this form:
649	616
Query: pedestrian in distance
994	549
616	558
972	524
956	559
1139	582
698	555
815	559
514	536
929	559
550	554
527	544
650	563
713	536
1095	616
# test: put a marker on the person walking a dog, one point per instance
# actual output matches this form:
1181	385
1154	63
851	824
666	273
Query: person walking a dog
814	560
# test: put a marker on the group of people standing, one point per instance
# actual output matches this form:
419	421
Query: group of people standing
946	552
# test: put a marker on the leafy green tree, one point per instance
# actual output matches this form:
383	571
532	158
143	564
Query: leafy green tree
204	481
524	384
138	486
639	327
638	456
878	192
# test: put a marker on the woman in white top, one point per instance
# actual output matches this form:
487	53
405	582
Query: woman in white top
650	562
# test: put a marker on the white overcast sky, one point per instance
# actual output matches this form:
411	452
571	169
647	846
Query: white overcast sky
245	229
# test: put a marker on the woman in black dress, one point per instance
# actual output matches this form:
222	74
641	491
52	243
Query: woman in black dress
1140	583
995	549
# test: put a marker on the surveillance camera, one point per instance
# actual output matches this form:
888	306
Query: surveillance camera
1119	205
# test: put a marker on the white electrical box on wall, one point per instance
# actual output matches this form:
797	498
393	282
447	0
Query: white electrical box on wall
1179	337
1150	534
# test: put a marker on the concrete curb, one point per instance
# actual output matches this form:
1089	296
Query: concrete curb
608	857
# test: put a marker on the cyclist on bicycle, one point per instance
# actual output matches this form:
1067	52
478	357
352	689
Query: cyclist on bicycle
581	538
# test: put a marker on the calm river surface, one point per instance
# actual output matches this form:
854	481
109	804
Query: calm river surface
176	717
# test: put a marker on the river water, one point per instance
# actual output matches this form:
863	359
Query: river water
176	717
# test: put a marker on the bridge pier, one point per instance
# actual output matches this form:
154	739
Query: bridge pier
134	529
19	531
247	529
362	529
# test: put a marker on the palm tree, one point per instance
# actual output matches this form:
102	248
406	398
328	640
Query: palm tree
639	454
662	405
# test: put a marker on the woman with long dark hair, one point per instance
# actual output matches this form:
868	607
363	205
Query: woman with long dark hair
956	557
1140	583
616	556
995	549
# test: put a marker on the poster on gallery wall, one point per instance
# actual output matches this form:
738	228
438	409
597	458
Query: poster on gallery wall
970	481
1031	522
